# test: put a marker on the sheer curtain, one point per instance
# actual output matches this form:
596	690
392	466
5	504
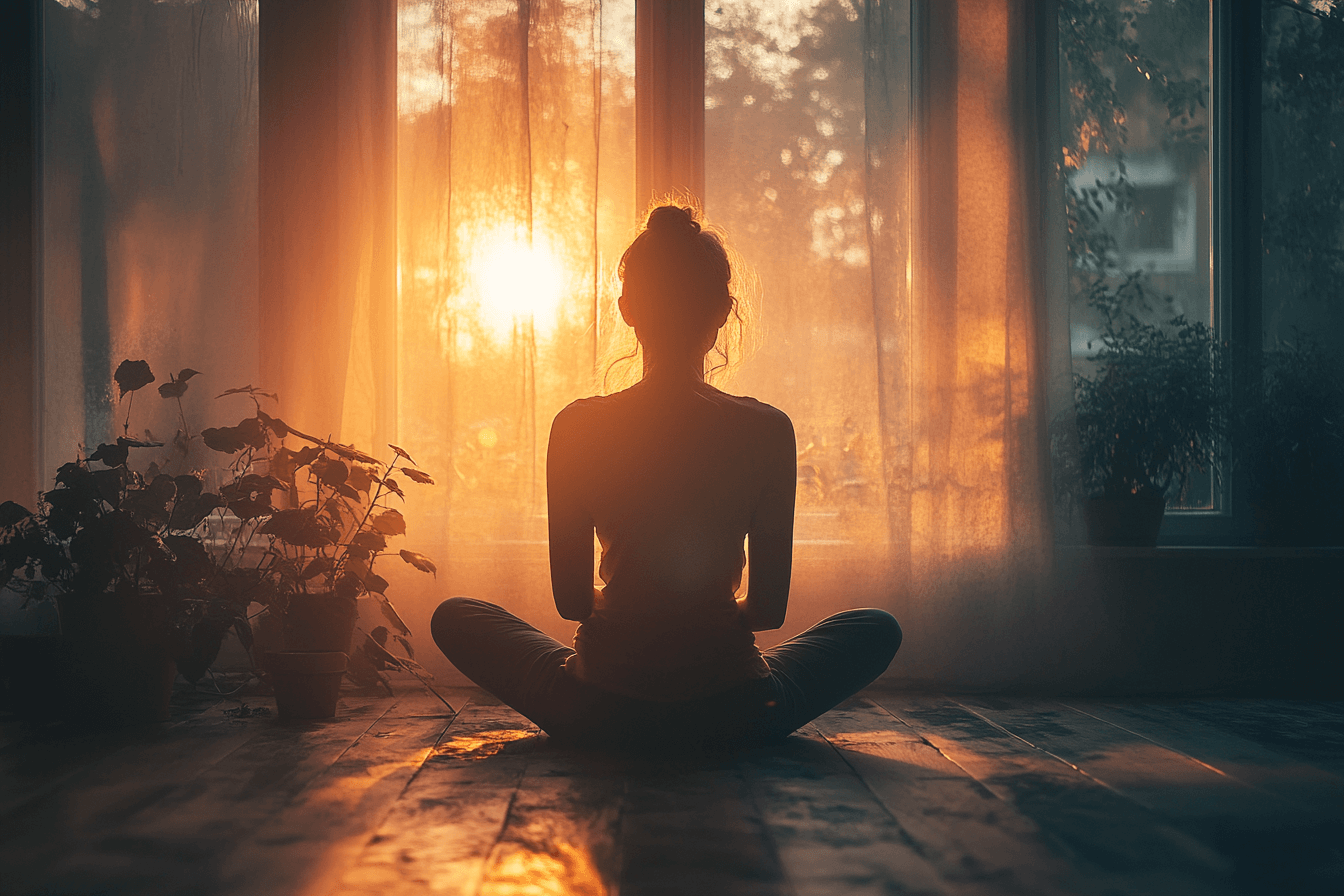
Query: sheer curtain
888	185
915	370
965	405
515	198
149	211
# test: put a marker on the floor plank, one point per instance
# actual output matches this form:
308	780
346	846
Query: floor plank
1305	785
1271	843
41	758
561	835
438	835
832	836
307	846
1131	848
1167	781
179	842
977	841
691	825
81	803
1311	730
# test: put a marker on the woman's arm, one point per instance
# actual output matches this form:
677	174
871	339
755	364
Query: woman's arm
570	525
770	538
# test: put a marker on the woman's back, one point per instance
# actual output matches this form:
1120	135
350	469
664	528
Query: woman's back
673	476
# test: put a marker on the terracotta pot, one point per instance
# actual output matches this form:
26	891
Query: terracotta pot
115	671
320	622
307	683
1129	521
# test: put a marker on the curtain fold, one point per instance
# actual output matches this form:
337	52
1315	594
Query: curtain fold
963	369
327	180
148	212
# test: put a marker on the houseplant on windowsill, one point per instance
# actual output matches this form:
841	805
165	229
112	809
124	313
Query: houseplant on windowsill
1153	411
1290	441
309	526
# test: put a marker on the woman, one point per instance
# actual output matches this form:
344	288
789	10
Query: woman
673	475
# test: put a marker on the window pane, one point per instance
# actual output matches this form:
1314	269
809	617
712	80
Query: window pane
785	175
149	206
1136	97
1303	169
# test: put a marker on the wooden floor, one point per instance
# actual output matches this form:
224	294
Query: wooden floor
888	794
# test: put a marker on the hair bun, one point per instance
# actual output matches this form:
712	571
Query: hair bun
673	219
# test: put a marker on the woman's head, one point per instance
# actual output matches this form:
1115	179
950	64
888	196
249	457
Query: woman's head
675	286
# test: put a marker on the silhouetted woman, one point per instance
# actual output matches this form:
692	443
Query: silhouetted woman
673	475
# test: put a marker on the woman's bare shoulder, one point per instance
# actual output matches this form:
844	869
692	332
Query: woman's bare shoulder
763	417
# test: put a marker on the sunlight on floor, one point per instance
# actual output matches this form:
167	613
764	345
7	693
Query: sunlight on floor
480	744
565	869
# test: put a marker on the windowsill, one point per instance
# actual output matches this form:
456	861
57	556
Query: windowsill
1239	552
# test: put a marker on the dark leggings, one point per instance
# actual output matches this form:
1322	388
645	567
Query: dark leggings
809	674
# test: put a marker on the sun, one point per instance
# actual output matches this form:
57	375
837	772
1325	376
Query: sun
517	283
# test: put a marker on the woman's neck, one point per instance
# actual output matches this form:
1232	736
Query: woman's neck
690	371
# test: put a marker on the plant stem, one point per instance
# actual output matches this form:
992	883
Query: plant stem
421	679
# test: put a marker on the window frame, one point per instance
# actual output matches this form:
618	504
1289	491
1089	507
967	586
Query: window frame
1234	195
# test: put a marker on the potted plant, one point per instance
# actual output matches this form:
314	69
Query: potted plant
309	524
121	554
1152	411
150	569
1290	439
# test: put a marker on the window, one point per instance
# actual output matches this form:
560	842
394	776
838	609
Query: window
1137	104
1152	178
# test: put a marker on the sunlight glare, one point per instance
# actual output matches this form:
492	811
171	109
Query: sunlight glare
517	283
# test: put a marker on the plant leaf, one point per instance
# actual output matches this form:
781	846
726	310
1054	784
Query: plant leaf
401	452
173	390
330	472
186	373
389	522
132	375
361	477
394	487
112	455
391	615
300	527
349	452
370	541
420	562
274	424
315	567
417	476
11	513
190	513
223	438
406	645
